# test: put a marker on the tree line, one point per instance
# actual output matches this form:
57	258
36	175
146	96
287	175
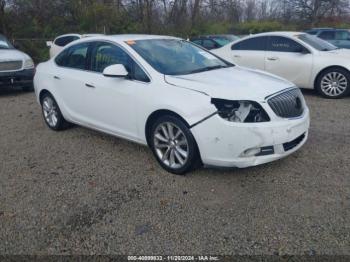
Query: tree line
46	19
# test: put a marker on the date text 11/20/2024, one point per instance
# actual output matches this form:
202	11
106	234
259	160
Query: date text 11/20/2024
173	258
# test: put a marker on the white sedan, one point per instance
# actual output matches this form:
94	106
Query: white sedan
189	106
307	61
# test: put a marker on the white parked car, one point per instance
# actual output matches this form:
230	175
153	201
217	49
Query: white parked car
60	42
188	105
307	61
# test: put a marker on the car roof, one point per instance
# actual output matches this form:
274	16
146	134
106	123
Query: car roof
282	33
129	37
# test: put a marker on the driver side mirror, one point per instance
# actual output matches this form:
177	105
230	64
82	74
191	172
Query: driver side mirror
117	71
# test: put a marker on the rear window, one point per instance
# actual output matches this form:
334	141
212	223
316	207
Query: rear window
65	40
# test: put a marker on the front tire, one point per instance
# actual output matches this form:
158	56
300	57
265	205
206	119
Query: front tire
52	113
334	83
174	146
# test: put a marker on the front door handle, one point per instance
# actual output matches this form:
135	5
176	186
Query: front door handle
237	56
89	86
57	78
272	58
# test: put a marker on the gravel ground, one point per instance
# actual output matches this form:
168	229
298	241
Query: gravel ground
83	192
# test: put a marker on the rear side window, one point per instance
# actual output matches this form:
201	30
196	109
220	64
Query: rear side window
327	35
65	40
252	44
107	54
283	44
75	57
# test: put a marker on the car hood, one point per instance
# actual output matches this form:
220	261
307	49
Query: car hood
12	54
234	83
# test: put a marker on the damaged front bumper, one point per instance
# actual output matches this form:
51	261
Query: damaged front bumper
227	144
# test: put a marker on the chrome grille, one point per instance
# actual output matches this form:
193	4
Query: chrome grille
288	104
10	65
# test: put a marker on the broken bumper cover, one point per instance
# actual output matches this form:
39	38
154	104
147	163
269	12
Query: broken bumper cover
227	144
17	78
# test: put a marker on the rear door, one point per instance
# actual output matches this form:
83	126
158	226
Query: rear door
70	78
289	59
250	52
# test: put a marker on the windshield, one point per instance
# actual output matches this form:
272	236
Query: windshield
176	57
317	43
4	43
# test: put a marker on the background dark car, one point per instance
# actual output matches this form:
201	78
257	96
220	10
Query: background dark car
337	37
210	42
16	67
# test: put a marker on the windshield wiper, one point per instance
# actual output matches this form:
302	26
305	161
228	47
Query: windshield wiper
209	68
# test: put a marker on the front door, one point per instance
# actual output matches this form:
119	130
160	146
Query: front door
290	60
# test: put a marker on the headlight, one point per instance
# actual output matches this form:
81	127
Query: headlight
28	64
241	111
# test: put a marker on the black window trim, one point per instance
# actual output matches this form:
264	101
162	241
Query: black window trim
266	46
89	58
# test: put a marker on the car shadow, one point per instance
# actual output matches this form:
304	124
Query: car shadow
11	91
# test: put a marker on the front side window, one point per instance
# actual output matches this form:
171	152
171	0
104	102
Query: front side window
65	40
176	57
283	44
75	57
251	44
107	54
327	35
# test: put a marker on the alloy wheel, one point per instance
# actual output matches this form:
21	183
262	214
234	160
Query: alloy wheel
334	84
50	111
171	145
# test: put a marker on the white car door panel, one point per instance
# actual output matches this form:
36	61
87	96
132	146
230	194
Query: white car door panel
251	59
70	86
110	103
295	67
289	59
250	52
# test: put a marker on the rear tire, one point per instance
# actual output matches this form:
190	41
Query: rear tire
333	83
174	146
52	113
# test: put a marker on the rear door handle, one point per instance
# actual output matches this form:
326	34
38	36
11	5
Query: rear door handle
272	58
89	86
